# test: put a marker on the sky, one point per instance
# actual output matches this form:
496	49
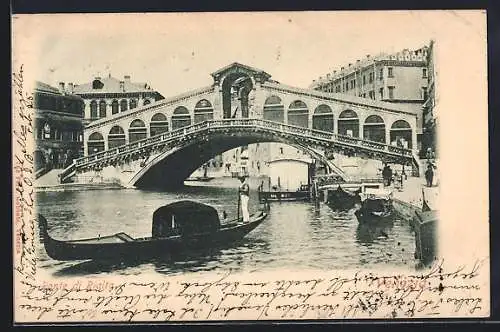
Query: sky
175	53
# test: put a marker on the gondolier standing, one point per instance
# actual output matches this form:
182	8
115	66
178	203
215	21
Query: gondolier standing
244	192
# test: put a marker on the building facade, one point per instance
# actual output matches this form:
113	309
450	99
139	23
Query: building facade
58	127
429	139
105	97
401	78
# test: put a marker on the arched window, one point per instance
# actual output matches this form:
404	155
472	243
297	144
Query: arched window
114	107
116	137
401	134
274	109
374	129
123	105
298	114
203	111
102	109
137	131
133	103
93	109
159	124
97	84
181	118
95	143
146	102
323	118
348	123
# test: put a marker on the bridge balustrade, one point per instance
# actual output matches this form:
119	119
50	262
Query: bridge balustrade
224	123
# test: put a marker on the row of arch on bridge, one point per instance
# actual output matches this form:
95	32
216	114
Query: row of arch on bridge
348	123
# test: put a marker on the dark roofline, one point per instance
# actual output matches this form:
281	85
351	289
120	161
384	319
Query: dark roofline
46	88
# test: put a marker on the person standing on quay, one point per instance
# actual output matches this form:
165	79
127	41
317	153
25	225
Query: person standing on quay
429	175
244	192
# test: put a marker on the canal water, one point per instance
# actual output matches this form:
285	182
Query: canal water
295	234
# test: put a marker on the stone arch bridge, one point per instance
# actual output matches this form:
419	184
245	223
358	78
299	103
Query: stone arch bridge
161	144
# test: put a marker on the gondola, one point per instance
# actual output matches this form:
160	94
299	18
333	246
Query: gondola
343	200
176	227
377	207
424	224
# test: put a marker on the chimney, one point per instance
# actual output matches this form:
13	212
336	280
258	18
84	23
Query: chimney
342	68
70	88
334	72
350	64
328	76
122	86
358	61
61	87
368	56
126	78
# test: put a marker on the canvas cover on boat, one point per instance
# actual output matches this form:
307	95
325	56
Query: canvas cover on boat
372	193
184	218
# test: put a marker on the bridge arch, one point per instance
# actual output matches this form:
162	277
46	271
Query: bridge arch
322	118
203	110
158	124
298	114
274	110
235	89
181	118
123	105
401	134
348	123
93	109
374	129
132	103
102	109
116	137
137	130
181	159
95	143
114	106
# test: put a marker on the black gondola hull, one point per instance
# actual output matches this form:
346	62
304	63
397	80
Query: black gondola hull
143	248
341	200
367	217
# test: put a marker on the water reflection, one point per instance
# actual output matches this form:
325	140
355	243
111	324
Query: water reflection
173	263
369	233
295	234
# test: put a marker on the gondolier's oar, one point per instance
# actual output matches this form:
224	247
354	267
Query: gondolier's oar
239	202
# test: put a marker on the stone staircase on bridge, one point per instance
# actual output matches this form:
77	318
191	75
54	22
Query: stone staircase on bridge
295	135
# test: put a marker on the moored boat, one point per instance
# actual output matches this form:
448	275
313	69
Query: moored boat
424	224
200	178
343	200
176	227
301	194
377	207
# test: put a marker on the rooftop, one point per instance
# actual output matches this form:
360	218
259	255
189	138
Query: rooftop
44	87
419	55
236	65
111	85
